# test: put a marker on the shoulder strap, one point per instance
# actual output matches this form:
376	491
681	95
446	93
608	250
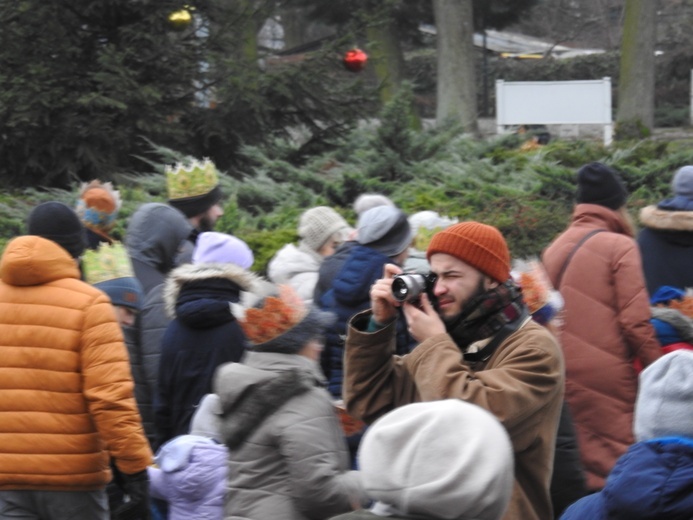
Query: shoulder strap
572	253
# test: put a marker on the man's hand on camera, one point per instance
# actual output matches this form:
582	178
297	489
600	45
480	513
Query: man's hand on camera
383	304
423	320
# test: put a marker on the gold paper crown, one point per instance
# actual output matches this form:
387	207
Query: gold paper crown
191	179
108	262
277	315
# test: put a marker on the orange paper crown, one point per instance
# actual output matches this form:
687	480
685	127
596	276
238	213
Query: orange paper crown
536	287
275	317
684	305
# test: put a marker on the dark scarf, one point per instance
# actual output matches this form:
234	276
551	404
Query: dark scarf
486	314
206	301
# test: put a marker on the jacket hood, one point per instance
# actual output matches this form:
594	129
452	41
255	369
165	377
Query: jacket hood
32	260
290	261
653	480
191	476
175	454
595	215
155	235
189	273
252	391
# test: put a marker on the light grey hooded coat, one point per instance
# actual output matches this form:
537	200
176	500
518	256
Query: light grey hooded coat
287	454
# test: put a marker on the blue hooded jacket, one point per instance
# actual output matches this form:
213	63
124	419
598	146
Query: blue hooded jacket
350	294
652	481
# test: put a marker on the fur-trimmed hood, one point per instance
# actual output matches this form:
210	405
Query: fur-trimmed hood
245	280
654	218
252	391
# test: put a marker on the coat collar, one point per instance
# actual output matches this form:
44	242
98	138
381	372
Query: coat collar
596	216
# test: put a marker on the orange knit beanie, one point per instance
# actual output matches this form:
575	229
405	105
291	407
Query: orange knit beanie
479	245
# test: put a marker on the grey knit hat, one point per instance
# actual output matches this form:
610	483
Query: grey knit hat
663	405
682	182
124	292
317	225
385	229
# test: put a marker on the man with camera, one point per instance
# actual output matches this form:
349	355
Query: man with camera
477	343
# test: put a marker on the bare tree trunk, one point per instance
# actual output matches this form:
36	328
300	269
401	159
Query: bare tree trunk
387	58
635	114
456	84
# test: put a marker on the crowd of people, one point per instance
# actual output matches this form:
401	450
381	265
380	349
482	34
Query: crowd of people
161	377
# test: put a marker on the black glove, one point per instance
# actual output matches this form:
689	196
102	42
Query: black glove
136	488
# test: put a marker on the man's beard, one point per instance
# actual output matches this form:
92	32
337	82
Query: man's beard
206	224
469	304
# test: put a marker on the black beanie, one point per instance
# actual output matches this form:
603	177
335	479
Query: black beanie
59	223
193	206
599	184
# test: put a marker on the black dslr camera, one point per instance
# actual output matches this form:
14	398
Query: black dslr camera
408	287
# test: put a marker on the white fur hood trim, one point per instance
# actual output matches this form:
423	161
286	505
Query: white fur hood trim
246	281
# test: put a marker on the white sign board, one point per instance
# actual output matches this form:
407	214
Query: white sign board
554	103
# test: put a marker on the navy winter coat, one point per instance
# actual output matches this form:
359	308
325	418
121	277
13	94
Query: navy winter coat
666	245
652	481
203	335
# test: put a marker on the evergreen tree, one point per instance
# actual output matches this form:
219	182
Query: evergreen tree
385	24
86	85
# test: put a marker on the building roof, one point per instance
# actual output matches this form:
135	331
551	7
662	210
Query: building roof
516	45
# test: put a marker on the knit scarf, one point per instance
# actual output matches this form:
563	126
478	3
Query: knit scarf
486	313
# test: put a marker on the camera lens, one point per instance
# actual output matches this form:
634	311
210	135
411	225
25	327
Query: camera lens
408	287
399	289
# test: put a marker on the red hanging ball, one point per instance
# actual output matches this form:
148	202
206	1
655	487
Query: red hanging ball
355	60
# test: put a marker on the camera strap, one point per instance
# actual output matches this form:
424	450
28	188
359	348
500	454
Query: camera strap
485	353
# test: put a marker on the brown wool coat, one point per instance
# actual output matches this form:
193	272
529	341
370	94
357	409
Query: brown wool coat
65	386
521	384
606	326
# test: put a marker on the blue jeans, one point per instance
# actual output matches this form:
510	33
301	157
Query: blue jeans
54	505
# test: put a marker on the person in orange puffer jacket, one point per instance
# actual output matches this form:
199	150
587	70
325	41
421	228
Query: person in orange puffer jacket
66	391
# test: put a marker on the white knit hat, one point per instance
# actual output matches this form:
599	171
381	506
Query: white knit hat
366	201
663	405
206	421
448	460
317	225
